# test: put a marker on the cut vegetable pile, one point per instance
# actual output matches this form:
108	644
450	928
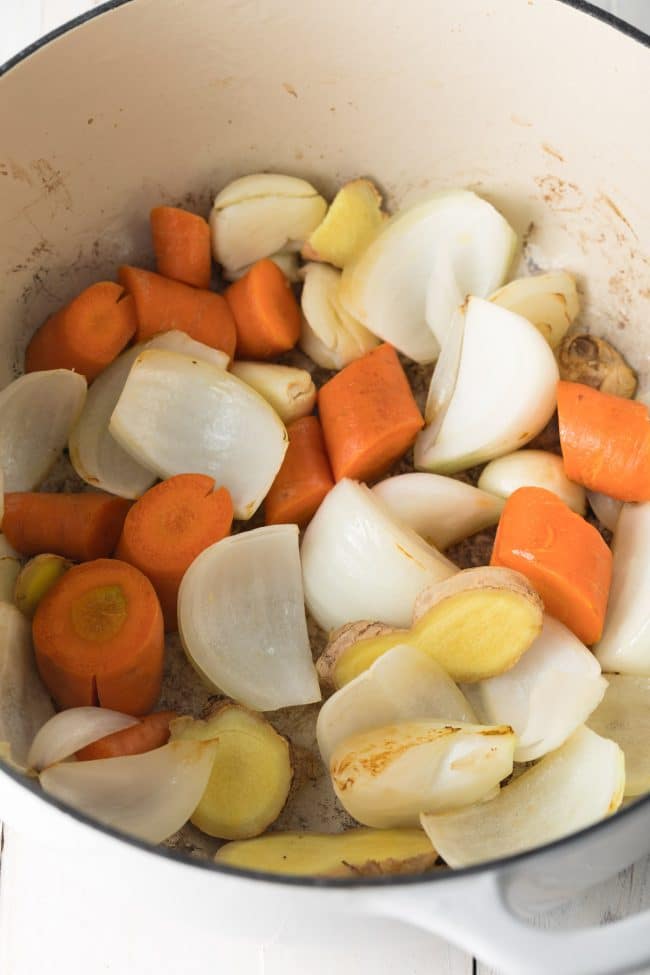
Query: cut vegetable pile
272	496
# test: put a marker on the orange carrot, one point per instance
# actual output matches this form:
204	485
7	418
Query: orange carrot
163	305
181	243
265	310
98	638
563	556
304	478
77	526
605	441
369	415
150	732
87	334
168	527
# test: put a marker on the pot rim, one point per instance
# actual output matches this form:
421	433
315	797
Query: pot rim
638	805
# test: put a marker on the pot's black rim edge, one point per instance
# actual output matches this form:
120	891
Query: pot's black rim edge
317	882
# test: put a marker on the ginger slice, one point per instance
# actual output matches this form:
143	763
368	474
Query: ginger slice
251	774
357	852
353	219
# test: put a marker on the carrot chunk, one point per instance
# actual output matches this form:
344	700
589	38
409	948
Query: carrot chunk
304	478
605	441
181	243
77	526
150	732
168	527
265	310
87	334
369	415
98	638
562	555
163	305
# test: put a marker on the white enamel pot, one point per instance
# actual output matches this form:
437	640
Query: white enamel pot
540	105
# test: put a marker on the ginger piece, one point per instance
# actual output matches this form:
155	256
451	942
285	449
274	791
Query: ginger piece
353	219
357	852
475	624
587	359
251	774
342	639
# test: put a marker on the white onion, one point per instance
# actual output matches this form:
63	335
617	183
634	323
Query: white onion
550	692
532	468
148	796
37	413
287	261
504	395
624	646
291	392
570	789
396	289
445	373
95	454
241	618
550	301
181	342
404	684
359	563
10	565
387	776
624	716
440	509
69	731
257	215
178	415
605	508
25	705
329	336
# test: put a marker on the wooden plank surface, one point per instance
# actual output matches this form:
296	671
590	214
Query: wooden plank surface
51	913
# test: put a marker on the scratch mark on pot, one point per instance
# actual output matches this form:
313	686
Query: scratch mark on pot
548	148
290	90
560	194
16	171
518	120
607	200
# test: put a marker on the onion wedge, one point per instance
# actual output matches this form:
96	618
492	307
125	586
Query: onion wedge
624	646
440	509
532	468
573	787
181	342
329	335
69	731
624	716
241	619
25	705
549	693
291	392
257	215
549	301
504	395
387	776
359	563
37	413
179	415
10	565
454	238
606	509
404	684
148	796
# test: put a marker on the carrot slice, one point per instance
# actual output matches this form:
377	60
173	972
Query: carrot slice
98	638
304	478
77	526
150	732
181	243
563	556
87	334
369	415
163	305
168	527
605	441
265	310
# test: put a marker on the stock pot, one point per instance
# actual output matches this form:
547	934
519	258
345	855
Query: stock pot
541	106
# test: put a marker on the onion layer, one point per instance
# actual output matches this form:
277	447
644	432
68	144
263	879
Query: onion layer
69	731
241	618
624	716
532	468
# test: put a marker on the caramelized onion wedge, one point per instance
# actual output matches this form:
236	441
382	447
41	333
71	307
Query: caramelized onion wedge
148	796
241	618
571	788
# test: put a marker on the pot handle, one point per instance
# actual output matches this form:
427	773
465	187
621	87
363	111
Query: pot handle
475	915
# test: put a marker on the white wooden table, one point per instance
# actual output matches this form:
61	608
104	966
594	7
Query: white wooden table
54	916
